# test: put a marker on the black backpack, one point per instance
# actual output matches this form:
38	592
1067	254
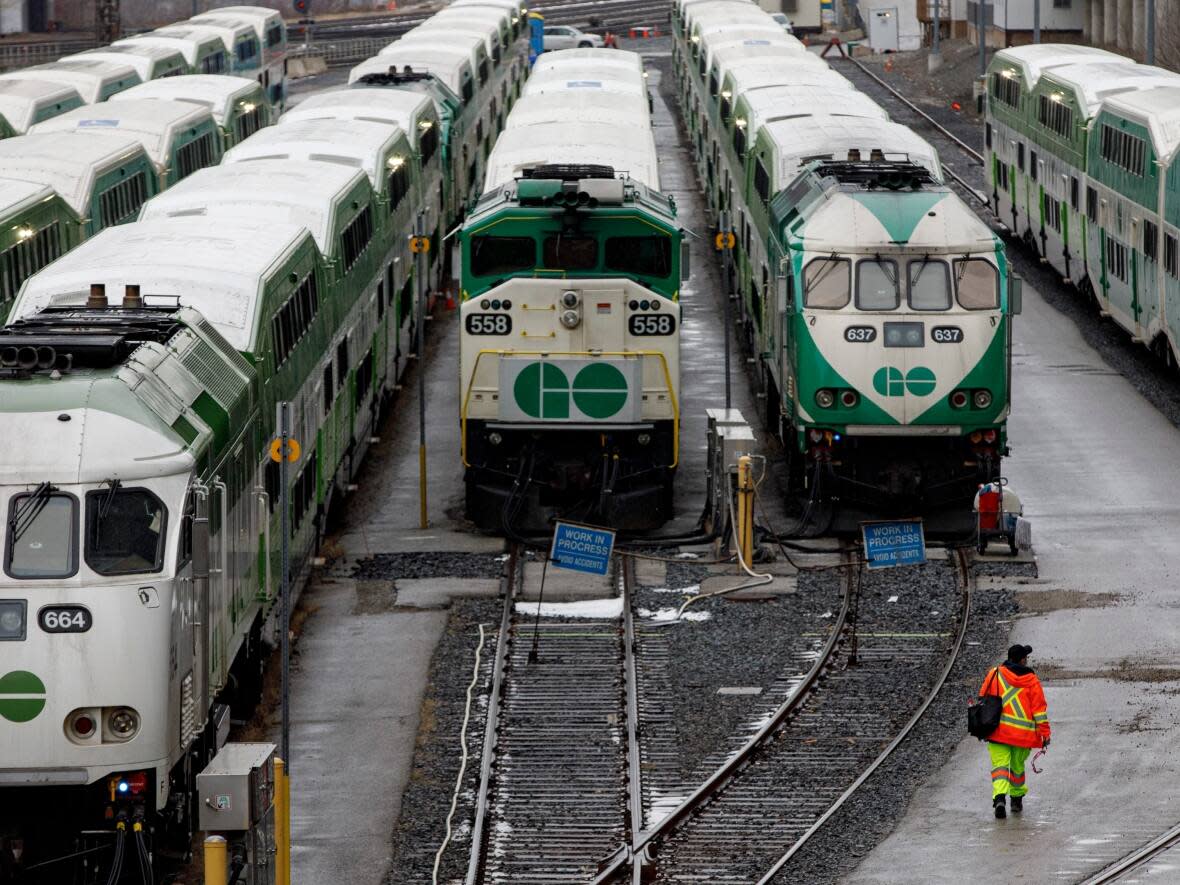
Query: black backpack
983	713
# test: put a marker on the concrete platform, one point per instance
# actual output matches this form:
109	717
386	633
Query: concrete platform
562	585
777	587
428	592
1097	468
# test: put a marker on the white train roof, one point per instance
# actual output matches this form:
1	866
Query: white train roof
217	92
587	105
446	63
1157	109
20	100
66	161
141	56
516	7
749	52
596	60
762	73
296	192
1035	58
550	82
442	39
87	77
258	17
188	45
738	11
1091	82
834	137
483	28
747	36
630	150
154	123
848	225
354	144
16	194
788	102
375	104
182	259
226	29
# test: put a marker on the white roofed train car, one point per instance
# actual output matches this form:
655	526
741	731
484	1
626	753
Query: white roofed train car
180	137
150	60
240	39
24	103
271	31
203	50
104	180
238	105
94	80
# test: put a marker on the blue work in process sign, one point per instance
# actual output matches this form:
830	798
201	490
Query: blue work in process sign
582	548
892	543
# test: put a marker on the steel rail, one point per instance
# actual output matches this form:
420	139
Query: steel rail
963	566
634	772
728	770
1137	858
967	149
509	584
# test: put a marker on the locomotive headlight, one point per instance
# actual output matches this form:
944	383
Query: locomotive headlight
570	319
495	438
570	299
848	398
486	304
982	399
12	619
122	723
824	398
643	439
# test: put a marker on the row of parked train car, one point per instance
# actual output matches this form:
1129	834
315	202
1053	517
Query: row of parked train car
140	372
1083	150
85	140
878	307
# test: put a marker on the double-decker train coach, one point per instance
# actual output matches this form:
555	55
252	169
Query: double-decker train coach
876	302
571	270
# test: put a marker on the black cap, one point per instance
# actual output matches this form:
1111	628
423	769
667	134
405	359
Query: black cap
1019	652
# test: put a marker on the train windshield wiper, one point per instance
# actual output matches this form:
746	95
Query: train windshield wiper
826	268
108	499
892	277
921	268
28	510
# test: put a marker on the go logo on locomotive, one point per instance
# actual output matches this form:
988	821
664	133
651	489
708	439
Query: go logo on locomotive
543	390
22	696
918	381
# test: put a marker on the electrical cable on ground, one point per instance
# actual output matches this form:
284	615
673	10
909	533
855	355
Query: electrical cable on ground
463	761
762	579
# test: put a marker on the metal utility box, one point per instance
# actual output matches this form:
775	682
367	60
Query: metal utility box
237	788
236	792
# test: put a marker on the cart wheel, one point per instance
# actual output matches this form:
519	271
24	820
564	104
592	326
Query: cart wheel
1012	544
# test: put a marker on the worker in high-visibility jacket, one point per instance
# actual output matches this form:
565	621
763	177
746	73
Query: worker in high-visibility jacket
1024	726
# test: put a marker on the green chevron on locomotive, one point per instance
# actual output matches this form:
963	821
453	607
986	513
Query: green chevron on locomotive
501	213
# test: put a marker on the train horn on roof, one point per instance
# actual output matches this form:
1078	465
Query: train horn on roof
131	297
98	295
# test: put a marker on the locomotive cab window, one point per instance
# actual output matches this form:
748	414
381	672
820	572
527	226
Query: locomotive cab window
877	286
570	253
827	283
124	531
42	535
977	284
646	256
500	255
929	285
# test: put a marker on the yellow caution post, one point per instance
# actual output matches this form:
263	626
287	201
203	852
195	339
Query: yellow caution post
745	510
282	824
216	860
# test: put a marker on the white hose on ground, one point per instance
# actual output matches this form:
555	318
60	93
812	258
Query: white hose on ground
762	579
463	763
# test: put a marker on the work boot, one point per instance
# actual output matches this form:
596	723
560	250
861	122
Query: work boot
1017	804
998	804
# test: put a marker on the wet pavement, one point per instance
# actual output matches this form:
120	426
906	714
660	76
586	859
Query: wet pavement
1097	467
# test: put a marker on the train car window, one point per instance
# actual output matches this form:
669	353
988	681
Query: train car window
125	530
739	143
42	535
877	286
500	255
329	387
761	180
569	253
468	89
977	284
483	71
929	285
827	283
647	256
427	141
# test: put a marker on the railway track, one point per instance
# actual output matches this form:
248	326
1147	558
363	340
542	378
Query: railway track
559	780
967	176
1137	866
750	818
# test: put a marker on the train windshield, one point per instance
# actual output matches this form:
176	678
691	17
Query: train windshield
827	283
501	255
929	285
643	256
124	531
876	284
570	253
42	535
977	284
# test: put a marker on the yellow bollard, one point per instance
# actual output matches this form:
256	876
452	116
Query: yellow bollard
282	823
745	510
216	860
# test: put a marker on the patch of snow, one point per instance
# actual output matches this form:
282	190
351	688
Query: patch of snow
666	615
586	608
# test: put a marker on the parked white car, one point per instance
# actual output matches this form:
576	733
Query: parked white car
568	37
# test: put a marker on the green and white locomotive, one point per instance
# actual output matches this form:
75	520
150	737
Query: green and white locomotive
875	301
571	271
